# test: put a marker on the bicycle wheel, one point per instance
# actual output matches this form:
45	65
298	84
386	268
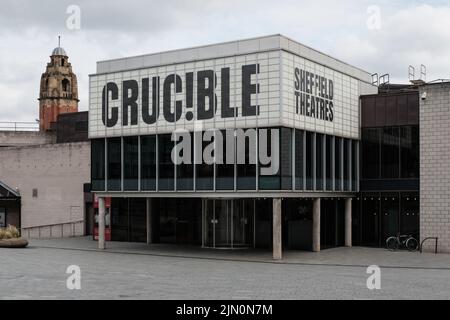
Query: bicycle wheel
392	243
412	244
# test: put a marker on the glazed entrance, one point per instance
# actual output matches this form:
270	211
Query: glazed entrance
228	223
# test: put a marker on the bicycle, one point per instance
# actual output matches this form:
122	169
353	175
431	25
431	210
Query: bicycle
402	241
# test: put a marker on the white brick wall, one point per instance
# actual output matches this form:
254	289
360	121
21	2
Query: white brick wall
435	165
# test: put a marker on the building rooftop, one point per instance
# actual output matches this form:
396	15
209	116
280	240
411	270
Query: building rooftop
8	192
227	49
438	81
59	51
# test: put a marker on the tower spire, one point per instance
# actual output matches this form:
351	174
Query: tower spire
58	91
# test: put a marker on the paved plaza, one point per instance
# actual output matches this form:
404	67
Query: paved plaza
139	271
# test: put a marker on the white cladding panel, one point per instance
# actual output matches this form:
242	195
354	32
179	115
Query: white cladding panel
345	98
268	97
276	97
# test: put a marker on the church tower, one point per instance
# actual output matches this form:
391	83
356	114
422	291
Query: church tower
58	91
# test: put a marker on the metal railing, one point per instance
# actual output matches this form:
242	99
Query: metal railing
19	126
436	239
51	228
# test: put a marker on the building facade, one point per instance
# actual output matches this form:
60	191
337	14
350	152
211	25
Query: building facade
209	145
388	202
435	163
49	181
259	143
45	174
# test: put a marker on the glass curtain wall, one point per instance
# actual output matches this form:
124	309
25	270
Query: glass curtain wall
148	162
384	214
130	163
98	164
114	167
307	161
390	153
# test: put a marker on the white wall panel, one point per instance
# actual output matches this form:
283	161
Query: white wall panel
268	98
276	97
346	92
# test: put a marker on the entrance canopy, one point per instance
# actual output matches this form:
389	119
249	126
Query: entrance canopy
7	193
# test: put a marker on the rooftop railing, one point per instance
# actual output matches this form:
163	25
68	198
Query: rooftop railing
19	126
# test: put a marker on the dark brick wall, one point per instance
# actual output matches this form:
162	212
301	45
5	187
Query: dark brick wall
72	127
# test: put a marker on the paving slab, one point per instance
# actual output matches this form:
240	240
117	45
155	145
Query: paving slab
139	271
354	256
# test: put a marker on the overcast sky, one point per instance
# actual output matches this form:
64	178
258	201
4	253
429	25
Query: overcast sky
404	33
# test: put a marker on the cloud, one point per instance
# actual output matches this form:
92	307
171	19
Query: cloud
411	36
410	33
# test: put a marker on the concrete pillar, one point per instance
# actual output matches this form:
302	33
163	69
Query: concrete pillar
101	223
316	225
348	222
277	245
149	220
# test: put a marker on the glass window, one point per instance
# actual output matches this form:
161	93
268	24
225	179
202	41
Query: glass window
389	215
409	152
354	165
319	161
166	168
114	164
246	173
2	217
390	153
225	172
263	223
131	165
137	220
243	222
338	163
119	219
168	217
185	171
409	218
299	160
204	172
370	144
286	158
148	162
297	230
309	160
347	164
370	219
98	164
271	182
329	162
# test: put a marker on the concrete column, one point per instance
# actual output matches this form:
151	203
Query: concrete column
316	225
277	245
149	220
101	223
348	222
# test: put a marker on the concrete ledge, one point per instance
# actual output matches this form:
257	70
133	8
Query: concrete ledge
25	138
